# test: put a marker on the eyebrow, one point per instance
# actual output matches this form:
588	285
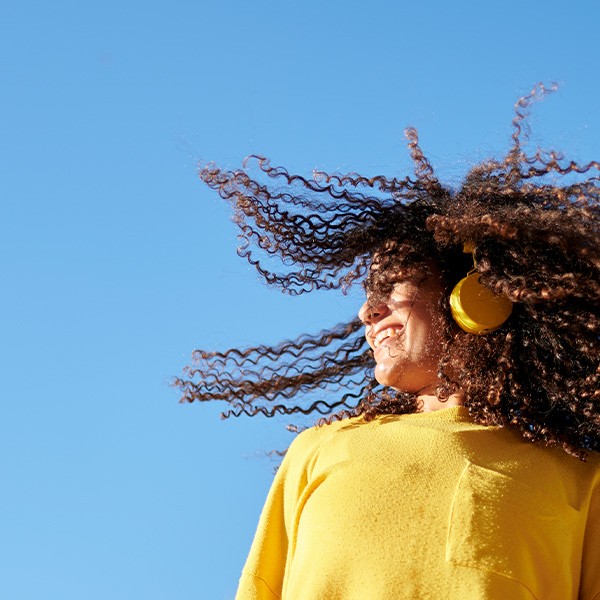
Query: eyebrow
402	303
410	298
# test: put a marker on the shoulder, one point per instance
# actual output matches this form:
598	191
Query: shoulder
311	441
593	463
317	435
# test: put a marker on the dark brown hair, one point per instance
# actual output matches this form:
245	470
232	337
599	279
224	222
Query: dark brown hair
536	241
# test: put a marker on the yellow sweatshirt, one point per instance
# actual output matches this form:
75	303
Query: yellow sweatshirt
427	505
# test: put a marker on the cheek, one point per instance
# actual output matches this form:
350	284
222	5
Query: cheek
425	331
412	363
391	363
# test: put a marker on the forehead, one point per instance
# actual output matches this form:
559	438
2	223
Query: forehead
385	275
421	284
399	290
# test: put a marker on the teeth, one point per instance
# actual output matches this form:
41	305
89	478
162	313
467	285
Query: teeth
385	333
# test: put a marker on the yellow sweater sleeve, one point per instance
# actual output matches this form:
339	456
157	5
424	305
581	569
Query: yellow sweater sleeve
590	567
264	571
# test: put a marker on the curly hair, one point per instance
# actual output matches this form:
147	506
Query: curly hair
533	220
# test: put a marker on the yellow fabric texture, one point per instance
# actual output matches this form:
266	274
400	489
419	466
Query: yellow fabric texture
427	505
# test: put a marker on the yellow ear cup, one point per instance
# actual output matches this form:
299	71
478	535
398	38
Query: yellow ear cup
476	308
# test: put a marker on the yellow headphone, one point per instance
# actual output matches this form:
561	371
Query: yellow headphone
475	307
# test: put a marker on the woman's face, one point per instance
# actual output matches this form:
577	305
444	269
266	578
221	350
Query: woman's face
405	333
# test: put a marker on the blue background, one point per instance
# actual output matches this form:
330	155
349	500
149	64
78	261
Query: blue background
116	261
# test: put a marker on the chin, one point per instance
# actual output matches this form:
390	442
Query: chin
393	380
403	381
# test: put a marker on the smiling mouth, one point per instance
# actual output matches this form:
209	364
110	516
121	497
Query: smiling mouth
385	335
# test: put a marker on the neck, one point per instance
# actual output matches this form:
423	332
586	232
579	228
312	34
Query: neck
429	402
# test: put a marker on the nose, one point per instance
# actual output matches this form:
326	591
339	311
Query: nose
371	313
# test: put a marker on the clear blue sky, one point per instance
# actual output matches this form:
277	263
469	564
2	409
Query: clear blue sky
116	261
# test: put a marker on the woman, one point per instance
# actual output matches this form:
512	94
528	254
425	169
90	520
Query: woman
459	456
